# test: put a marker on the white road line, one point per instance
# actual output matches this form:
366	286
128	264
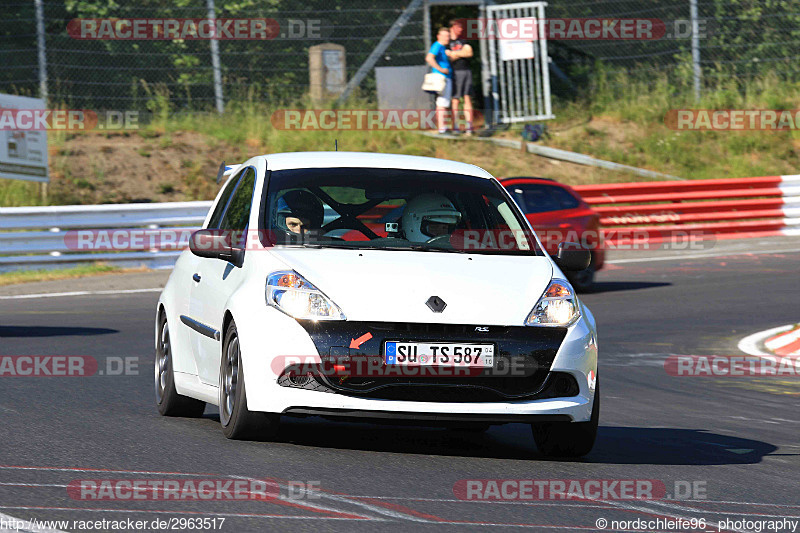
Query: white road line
174	512
27	526
700	256
497	502
446	500
340	499
749	344
648	510
107	471
78	293
685	508
494	502
306	503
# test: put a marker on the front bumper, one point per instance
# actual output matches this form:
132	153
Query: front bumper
570	351
523	356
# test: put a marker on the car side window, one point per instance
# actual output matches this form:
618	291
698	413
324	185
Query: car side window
565	199
237	215
219	210
543	198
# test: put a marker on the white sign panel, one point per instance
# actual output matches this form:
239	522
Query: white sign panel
510	50
23	153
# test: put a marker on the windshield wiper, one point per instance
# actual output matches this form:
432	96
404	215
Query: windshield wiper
420	248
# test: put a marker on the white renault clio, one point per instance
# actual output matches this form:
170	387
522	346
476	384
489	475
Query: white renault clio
371	287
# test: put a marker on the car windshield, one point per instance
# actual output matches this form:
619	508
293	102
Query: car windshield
393	209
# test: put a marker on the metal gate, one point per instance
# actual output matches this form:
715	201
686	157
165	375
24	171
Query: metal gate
518	60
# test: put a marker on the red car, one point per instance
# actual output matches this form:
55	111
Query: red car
558	214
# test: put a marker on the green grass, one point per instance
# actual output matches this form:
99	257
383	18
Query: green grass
28	276
15	193
638	108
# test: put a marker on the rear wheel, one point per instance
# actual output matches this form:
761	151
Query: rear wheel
568	439
238	422
169	402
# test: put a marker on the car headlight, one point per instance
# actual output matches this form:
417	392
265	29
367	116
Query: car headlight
294	295
556	307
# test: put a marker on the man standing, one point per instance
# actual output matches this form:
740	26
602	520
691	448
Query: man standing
440	63
459	54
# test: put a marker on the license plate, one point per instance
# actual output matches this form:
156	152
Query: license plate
439	354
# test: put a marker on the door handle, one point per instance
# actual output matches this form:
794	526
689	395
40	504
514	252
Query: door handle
196	277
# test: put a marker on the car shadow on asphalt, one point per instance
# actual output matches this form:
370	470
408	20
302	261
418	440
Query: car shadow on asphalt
51	331
615	286
670	446
614	445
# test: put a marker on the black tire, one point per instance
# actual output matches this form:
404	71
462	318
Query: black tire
568	439
168	401
238	422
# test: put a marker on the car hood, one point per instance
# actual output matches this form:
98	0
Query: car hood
394	286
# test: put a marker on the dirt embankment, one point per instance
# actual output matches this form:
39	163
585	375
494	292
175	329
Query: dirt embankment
148	166
126	167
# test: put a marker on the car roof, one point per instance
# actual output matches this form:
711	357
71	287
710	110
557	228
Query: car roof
530	178
295	160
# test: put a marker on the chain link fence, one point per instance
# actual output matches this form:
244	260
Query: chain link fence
121	74
738	40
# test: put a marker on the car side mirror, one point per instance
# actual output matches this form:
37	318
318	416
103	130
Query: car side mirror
215	244
571	257
234	256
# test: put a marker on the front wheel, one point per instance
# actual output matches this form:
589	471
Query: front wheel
238	422
169	402
568	439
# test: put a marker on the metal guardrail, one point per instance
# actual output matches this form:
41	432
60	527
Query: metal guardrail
42	237
103	216
719	208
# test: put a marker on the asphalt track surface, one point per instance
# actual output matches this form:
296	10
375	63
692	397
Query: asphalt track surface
737	437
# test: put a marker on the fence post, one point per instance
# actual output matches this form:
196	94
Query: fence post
697	72
40	44
426	27
215	65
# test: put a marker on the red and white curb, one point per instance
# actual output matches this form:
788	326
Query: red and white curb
782	341
785	343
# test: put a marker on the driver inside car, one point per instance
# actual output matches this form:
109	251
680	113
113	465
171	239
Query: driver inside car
299	212
429	216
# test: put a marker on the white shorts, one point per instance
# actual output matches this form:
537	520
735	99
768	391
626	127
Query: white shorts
443	100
